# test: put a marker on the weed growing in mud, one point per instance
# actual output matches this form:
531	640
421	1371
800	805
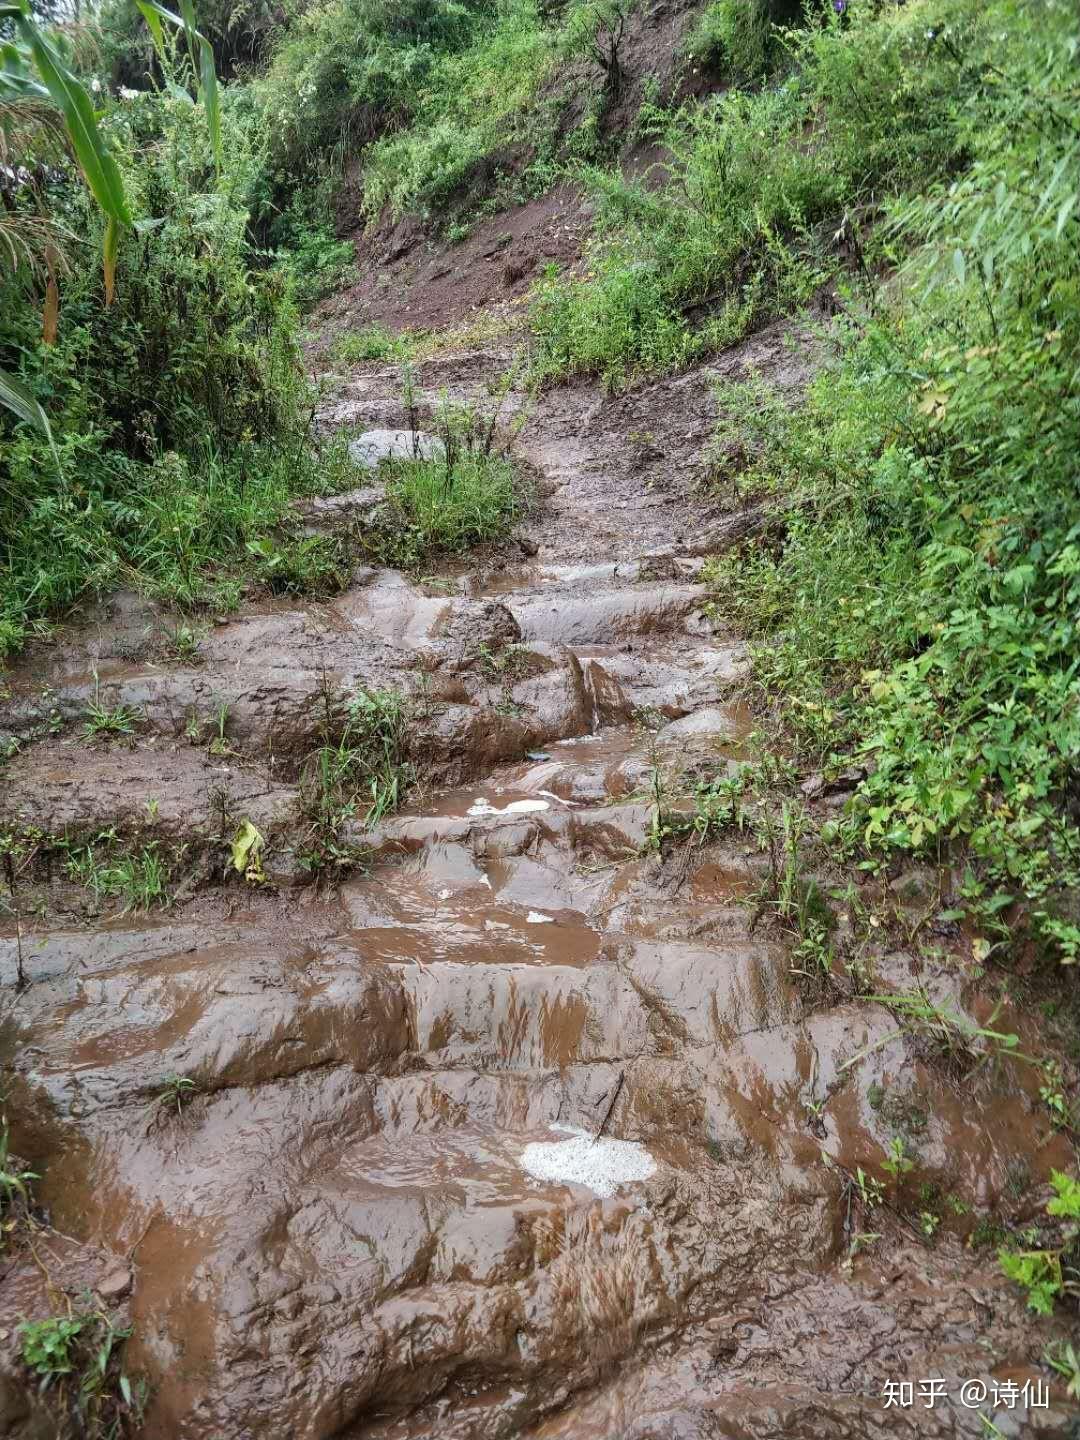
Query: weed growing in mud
1063	1358
356	346
138	877
182	643
467	495
76	1358
175	1091
1054	1271
313	564
13	1184
220	743
246	851
108	720
359	772
717	807
952	1038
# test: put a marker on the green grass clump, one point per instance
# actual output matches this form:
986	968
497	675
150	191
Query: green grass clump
372	343
358	772
923	605
449	508
138	877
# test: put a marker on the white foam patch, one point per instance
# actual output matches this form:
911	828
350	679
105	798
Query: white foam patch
534	917
483	806
601	1165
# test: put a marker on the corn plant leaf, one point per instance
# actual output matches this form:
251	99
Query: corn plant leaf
202	59
97	164
15	397
152	16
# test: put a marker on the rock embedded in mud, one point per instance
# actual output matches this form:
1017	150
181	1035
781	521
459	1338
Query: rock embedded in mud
115	1285
374	446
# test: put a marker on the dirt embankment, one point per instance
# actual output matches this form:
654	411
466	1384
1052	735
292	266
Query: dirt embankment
332	1233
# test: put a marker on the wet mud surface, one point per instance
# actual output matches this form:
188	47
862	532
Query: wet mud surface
335	1236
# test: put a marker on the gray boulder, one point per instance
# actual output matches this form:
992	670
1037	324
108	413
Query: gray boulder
374	446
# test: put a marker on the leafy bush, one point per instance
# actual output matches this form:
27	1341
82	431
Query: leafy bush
177	411
924	602
731	234
478	109
345	70
737	37
738	233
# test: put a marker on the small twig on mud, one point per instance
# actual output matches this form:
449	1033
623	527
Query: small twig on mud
142	1237
611	1107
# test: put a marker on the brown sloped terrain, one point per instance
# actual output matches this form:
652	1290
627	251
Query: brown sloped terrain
334	1235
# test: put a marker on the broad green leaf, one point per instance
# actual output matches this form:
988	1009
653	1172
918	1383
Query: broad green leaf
152	17
97	164
246	846
15	397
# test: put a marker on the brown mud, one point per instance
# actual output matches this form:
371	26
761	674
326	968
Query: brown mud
335	1237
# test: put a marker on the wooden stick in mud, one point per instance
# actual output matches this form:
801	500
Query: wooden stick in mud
611	1107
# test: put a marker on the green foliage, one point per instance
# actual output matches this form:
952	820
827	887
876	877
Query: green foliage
359	771
373	343
104	719
467	495
1048	1273
175	1091
924	598
48	1345
474	115
737	37
737	234
137	877
439	507
100	1400
13	1183
345	70
178	411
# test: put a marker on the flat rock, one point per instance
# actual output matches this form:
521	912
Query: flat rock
116	1284
374	446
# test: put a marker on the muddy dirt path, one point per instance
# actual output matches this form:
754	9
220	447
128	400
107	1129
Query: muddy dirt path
336	1235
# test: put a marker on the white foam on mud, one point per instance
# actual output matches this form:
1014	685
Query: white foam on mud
483	806
535	917
601	1165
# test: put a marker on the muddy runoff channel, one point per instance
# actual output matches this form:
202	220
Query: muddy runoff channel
519	1129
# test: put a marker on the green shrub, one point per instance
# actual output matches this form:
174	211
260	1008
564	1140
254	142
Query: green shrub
742	228
737	36
472	119
923	605
178	411
345	70
730	239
